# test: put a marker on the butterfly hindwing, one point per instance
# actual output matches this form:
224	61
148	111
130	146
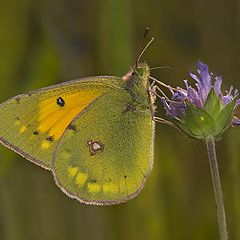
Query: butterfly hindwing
32	124
106	153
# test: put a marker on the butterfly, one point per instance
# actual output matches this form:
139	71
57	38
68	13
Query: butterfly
95	134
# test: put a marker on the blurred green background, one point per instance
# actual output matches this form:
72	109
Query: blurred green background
43	42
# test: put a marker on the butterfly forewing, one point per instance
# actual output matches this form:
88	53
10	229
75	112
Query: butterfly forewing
32	124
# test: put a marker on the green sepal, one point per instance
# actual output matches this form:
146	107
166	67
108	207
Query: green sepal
224	118
213	104
199	122
181	125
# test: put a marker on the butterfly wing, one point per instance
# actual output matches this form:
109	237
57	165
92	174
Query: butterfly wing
106	154
32	124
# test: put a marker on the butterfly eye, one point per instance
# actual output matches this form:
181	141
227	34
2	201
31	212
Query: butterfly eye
133	73
60	102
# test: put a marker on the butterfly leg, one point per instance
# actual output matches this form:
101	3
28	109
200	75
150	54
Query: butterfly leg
152	96
163	121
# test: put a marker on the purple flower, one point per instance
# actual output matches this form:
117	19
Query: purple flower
203	101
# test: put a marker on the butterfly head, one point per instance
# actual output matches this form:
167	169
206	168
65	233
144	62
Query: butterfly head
137	82
139	75
137	79
142	72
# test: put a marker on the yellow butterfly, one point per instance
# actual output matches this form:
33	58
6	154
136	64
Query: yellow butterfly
94	134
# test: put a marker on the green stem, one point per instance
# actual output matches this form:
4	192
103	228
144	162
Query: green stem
217	188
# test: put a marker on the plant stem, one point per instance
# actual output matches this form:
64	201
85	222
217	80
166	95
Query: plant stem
222	225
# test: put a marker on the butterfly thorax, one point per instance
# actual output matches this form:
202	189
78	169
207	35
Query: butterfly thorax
137	84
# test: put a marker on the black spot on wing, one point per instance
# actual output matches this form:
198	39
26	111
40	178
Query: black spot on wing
36	132
72	127
50	138
60	102
93	180
129	108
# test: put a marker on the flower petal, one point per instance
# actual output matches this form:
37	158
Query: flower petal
194	97
179	96
217	85
205	83
169	111
195	77
235	122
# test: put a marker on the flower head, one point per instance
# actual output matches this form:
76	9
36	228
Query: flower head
202	110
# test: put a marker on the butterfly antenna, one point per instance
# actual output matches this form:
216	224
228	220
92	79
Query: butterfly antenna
147	29
145	48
